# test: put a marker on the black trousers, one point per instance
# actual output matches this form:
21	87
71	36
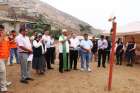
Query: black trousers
73	58
107	55
52	55
48	58
119	56
101	55
130	57
61	63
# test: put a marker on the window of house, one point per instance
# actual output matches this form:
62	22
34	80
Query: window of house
3	1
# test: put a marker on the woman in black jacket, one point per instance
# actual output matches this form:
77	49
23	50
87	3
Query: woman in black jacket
38	62
119	51
130	51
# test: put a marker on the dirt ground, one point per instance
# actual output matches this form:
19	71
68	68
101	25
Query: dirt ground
125	80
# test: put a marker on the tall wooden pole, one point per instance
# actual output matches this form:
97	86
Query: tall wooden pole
111	61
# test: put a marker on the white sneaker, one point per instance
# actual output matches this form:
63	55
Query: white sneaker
8	83
82	69
89	70
3	89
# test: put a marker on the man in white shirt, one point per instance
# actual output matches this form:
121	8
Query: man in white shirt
102	45
74	43
24	49
86	46
63	52
47	41
52	48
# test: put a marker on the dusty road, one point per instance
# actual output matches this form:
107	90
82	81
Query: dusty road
125	80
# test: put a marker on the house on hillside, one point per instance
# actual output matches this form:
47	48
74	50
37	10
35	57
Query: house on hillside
3	7
13	17
11	24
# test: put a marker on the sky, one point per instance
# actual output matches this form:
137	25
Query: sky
97	12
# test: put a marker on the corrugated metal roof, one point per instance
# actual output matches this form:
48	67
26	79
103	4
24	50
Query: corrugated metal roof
6	19
18	20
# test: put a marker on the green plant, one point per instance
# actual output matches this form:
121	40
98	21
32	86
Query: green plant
40	24
85	28
55	33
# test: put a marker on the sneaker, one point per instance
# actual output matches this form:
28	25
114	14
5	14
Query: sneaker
5	92
8	83
131	65
61	71
24	81
41	73
117	63
82	69
104	66
89	70
4	89
50	68
75	69
31	79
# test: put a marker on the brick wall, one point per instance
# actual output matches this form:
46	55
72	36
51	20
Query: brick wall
126	38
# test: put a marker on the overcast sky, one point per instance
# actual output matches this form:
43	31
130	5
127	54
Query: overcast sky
97	12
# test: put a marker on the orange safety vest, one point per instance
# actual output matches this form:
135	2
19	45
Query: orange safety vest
4	49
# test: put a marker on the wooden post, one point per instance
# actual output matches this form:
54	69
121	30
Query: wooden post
111	60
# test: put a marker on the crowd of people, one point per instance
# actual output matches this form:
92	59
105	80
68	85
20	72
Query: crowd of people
39	51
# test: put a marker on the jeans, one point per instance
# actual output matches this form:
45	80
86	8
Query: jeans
13	52
3	81
81	58
85	60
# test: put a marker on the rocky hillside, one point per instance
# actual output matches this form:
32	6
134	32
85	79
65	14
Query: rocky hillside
53	15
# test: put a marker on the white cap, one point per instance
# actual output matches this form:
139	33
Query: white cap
64	30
